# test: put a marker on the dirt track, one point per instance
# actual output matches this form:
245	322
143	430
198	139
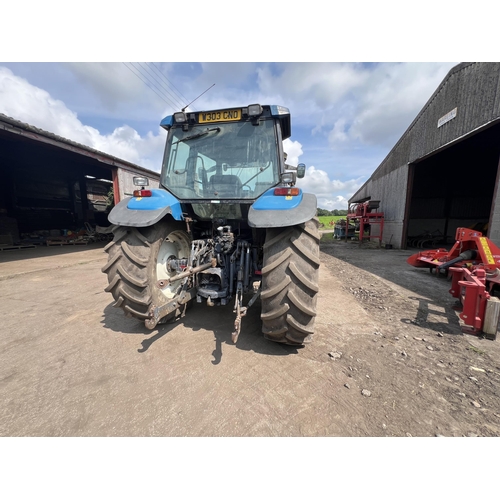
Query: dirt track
388	359
425	376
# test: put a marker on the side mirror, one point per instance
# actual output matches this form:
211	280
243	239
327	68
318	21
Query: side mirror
301	170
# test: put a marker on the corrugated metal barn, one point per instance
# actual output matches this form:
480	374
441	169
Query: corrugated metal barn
51	183
443	172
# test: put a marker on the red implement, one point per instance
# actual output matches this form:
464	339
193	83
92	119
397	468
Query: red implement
470	247
474	263
365	215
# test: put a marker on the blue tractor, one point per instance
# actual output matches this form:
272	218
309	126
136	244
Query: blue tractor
227	224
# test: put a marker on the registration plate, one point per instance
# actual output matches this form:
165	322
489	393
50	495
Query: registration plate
226	115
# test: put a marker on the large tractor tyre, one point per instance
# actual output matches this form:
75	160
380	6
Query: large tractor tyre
290	283
138	259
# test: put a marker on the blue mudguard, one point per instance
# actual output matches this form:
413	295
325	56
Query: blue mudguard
282	211
146	211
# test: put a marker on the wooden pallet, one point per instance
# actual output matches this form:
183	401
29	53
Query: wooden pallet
62	241
15	247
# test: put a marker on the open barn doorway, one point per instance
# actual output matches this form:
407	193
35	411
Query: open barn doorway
453	188
49	190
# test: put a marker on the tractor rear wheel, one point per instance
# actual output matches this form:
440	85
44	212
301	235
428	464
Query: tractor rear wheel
138	259
290	276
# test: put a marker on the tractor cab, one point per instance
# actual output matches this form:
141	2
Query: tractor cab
224	156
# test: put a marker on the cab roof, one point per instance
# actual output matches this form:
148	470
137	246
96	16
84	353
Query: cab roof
231	114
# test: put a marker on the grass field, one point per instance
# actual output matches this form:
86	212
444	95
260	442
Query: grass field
325	220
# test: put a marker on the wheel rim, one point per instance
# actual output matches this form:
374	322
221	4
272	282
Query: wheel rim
175	245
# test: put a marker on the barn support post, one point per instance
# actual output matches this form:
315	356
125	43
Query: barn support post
116	186
409	193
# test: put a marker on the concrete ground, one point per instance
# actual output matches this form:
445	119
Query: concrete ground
72	365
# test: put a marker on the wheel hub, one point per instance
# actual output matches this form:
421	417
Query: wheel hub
172	259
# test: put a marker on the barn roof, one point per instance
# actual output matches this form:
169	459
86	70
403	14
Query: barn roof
466	101
12	125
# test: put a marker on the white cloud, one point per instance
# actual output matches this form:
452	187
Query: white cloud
317	84
394	97
293	149
125	143
317	181
370	103
338	134
112	83
332	193
24	102
337	203
127	90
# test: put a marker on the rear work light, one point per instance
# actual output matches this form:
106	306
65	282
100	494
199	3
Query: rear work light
180	117
254	110
143	193
286	191
141	181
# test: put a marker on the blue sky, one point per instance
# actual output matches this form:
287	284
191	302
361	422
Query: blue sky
345	116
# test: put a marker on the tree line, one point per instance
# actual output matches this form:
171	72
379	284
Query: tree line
322	212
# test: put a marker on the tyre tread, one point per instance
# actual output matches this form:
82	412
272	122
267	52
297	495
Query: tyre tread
290	276
131	267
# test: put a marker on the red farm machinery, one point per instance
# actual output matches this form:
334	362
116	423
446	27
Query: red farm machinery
473	263
364	215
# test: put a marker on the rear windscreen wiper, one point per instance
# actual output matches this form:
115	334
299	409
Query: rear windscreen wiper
199	134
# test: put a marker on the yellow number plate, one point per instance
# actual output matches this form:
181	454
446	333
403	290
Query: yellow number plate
227	115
